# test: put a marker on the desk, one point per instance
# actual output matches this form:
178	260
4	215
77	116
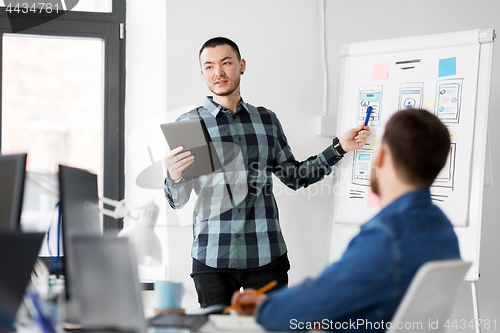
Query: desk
215	323
247	325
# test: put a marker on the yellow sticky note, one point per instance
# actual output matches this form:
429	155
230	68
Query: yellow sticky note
453	136
429	104
373	144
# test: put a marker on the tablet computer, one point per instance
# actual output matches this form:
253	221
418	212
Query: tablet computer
193	136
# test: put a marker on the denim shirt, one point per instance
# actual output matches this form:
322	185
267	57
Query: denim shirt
368	282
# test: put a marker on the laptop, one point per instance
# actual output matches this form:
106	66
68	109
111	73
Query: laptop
108	290
18	254
106	283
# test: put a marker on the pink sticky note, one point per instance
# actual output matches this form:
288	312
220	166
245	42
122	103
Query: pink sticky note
373	200
380	72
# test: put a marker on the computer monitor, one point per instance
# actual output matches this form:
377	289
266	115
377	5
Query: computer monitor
12	176
80	214
18	253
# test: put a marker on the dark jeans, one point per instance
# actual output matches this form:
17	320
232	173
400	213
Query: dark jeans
216	286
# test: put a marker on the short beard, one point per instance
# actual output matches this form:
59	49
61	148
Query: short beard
235	91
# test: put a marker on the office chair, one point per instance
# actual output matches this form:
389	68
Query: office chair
430	297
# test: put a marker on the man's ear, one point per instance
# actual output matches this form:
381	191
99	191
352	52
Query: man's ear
243	66
380	157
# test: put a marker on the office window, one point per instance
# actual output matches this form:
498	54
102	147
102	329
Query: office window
62	100
101	6
52	109
52	105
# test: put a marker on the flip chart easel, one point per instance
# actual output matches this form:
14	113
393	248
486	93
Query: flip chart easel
416	72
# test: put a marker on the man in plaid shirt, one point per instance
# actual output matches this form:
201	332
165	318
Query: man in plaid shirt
237	237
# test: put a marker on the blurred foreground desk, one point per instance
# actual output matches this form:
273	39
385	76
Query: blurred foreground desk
231	323
214	323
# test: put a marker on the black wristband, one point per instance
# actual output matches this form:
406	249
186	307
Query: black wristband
338	147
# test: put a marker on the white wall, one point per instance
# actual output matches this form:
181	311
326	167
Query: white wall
146	52
281	41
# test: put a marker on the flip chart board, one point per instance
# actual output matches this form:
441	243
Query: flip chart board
446	74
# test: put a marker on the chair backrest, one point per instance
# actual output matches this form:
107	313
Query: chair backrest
430	297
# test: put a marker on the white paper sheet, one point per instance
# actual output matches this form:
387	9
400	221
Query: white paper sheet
413	80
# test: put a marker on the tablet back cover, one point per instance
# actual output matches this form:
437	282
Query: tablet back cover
193	136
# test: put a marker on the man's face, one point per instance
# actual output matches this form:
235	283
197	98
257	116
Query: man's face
221	69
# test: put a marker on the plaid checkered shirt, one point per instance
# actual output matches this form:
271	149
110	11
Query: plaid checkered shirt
235	219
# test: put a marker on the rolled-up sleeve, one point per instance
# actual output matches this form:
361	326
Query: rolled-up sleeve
177	194
295	174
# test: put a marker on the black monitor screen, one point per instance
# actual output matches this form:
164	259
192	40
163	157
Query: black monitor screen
80	211
18	253
12	175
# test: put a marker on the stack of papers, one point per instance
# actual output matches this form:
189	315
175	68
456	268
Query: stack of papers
234	323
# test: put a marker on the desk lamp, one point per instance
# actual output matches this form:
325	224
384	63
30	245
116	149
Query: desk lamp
141	234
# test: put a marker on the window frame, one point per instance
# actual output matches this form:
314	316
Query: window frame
111	28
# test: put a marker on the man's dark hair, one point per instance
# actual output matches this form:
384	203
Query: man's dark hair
216	41
419	144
